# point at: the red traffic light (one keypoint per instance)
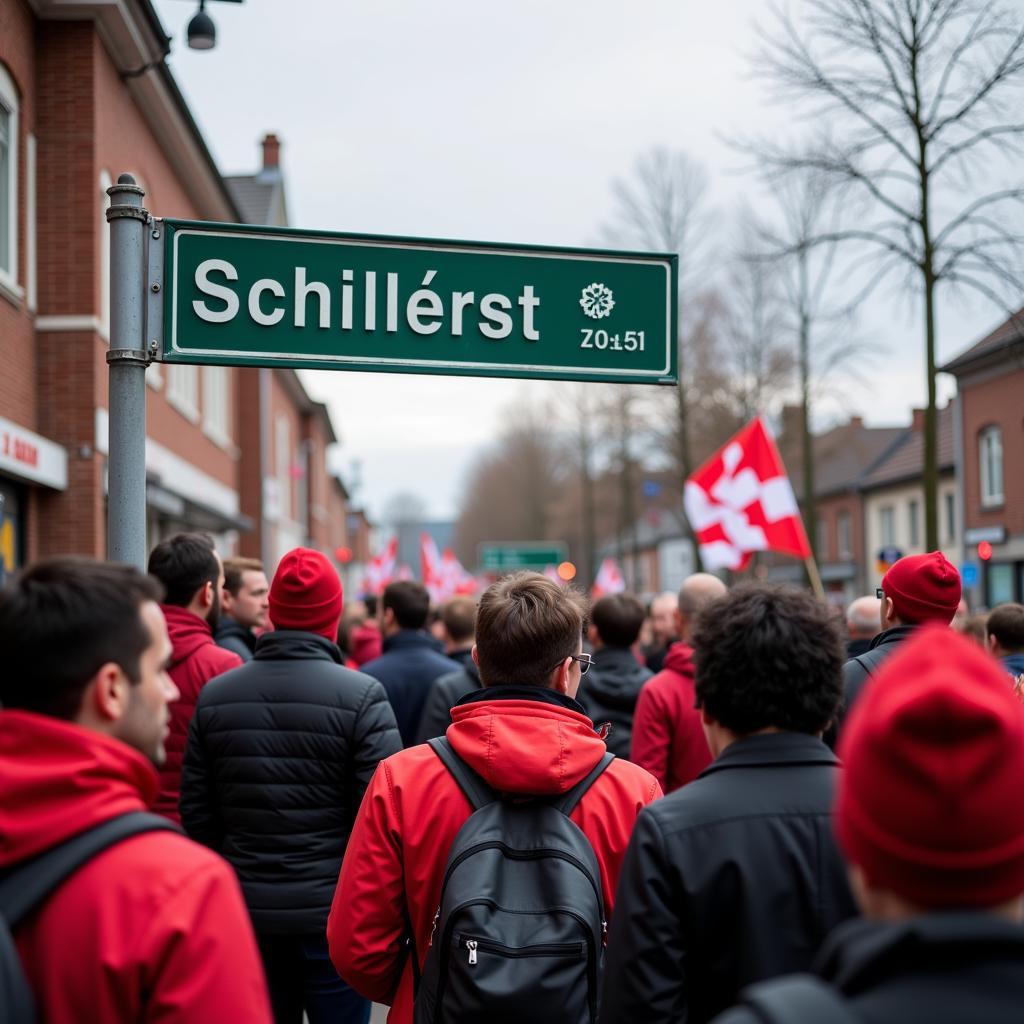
(984, 550)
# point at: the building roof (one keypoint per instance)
(1006, 335)
(905, 462)
(259, 197)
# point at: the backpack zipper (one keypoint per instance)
(539, 949)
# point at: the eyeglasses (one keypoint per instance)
(585, 660)
(880, 593)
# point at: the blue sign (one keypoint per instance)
(651, 488)
(969, 574)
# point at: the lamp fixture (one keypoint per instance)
(202, 33)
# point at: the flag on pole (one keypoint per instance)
(741, 501)
(456, 579)
(380, 570)
(432, 570)
(609, 579)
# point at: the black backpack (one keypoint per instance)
(27, 885)
(519, 933)
(797, 999)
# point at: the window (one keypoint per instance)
(843, 529)
(991, 460)
(8, 182)
(283, 461)
(216, 414)
(914, 520)
(822, 539)
(887, 525)
(183, 390)
(950, 503)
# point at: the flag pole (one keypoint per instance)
(815, 577)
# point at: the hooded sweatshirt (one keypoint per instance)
(151, 929)
(195, 660)
(668, 737)
(520, 740)
(610, 691)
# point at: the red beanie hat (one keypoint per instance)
(306, 594)
(923, 588)
(929, 805)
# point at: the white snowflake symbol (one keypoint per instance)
(597, 301)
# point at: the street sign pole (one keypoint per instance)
(127, 361)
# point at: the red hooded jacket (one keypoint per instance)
(366, 642)
(152, 929)
(413, 809)
(195, 661)
(668, 738)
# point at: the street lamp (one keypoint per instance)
(202, 33)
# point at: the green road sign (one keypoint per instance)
(509, 557)
(280, 297)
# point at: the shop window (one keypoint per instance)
(990, 458)
(8, 181)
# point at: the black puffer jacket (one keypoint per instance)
(279, 754)
(939, 968)
(233, 636)
(732, 879)
(609, 692)
(444, 694)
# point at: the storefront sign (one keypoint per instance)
(27, 456)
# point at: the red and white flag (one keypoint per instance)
(432, 569)
(741, 501)
(457, 580)
(609, 579)
(380, 570)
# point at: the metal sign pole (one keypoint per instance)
(127, 361)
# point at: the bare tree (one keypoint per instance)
(916, 98)
(663, 208)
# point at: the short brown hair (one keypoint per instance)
(525, 625)
(233, 569)
(617, 619)
(459, 617)
(1006, 624)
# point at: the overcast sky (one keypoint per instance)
(503, 122)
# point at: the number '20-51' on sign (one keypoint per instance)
(265, 297)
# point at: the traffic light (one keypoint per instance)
(984, 550)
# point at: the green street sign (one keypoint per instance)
(509, 557)
(249, 296)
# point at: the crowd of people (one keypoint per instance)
(733, 804)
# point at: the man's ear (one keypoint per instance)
(680, 621)
(475, 655)
(106, 696)
(559, 681)
(705, 718)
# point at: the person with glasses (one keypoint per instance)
(527, 737)
(916, 590)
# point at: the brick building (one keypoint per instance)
(84, 96)
(990, 454)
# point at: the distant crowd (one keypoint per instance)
(225, 798)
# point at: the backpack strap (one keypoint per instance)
(25, 887)
(797, 999)
(477, 792)
(569, 800)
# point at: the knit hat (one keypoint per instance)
(929, 804)
(923, 588)
(306, 594)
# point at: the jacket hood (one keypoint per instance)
(228, 627)
(524, 745)
(187, 631)
(366, 643)
(57, 778)
(616, 678)
(680, 659)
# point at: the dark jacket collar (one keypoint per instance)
(227, 626)
(537, 693)
(407, 638)
(614, 658)
(285, 644)
(892, 636)
(861, 952)
(772, 750)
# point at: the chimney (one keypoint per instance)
(917, 423)
(857, 421)
(271, 152)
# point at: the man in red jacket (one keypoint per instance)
(668, 738)
(524, 733)
(190, 570)
(153, 928)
